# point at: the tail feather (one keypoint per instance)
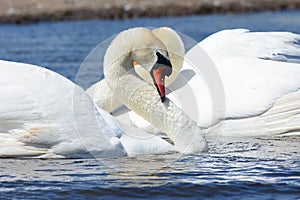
(11, 147)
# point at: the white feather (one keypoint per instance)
(43, 114)
(254, 81)
(257, 75)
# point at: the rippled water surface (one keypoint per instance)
(234, 168)
(262, 168)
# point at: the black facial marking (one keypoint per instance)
(164, 61)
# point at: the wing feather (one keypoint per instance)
(243, 43)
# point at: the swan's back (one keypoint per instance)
(45, 114)
(253, 69)
(261, 83)
(260, 75)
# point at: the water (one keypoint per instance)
(234, 168)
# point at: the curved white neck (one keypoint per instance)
(143, 99)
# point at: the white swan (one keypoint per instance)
(43, 114)
(100, 91)
(141, 97)
(261, 83)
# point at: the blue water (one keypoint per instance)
(234, 168)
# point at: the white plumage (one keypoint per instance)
(259, 80)
(43, 114)
(259, 73)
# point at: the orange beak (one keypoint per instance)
(158, 75)
(135, 63)
(160, 70)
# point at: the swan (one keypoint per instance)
(43, 114)
(140, 96)
(260, 80)
(259, 73)
(100, 91)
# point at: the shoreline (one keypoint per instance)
(30, 11)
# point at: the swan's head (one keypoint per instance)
(174, 45)
(140, 47)
(157, 63)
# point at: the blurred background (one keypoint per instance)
(22, 11)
